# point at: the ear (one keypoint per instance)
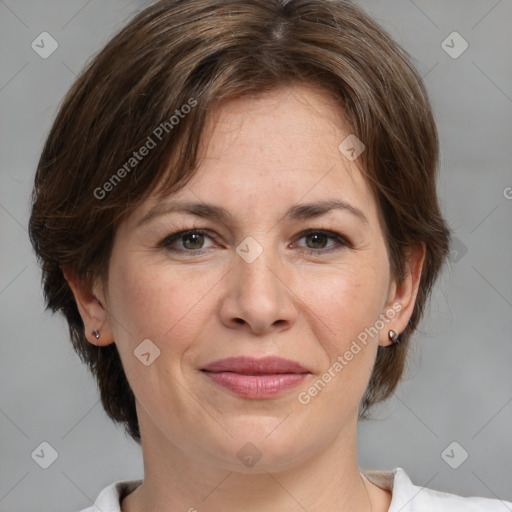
(90, 301)
(402, 296)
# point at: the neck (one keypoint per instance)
(175, 479)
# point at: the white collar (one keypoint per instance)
(406, 497)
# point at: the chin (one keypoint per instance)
(260, 447)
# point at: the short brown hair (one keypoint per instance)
(198, 52)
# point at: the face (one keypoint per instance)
(270, 277)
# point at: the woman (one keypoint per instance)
(236, 212)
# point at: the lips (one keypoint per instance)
(256, 379)
(270, 365)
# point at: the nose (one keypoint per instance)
(258, 298)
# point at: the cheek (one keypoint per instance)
(347, 303)
(135, 296)
(155, 301)
(348, 298)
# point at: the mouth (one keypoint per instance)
(254, 378)
(246, 365)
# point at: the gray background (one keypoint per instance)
(459, 383)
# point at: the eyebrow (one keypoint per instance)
(215, 212)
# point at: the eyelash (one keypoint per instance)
(182, 232)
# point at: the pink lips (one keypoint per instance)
(256, 378)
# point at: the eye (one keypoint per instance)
(193, 241)
(317, 239)
(190, 240)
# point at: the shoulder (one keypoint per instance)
(109, 499)
(408, 497)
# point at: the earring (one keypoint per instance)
(393, 336)
(96, 334)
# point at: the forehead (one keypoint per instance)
(263, 153)
(290, 128)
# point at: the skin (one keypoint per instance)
(261, 155)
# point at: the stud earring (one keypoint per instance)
(393, 336)
(96, 334)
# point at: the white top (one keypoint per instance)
(407, 497)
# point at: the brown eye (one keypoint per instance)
(191, 240)
(196, 240)
(317, 241)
